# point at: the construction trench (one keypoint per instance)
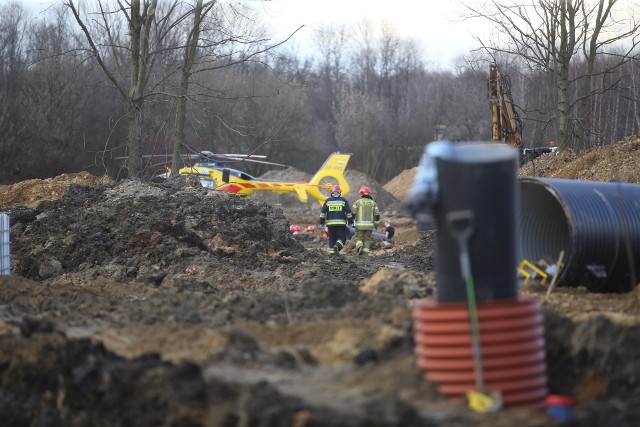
(149, 304)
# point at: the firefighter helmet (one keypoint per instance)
(336, 189)
(364, 191)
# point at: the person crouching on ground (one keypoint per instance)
(389, 232)
(367, 217)
(336, 216)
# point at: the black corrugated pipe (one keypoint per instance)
(597, 224)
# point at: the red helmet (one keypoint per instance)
(310, 229)
(364, 191)
(336, 189)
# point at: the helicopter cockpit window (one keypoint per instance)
(242, 175)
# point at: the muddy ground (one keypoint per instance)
(144, 303)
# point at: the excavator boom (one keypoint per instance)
(506, 124)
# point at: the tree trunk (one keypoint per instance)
(635, 95)
(181, 108)
(134, 159)
(567, 42)
(590, 54)
(563, 109)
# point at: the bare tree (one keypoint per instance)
(222, 36)
(551, 36)
(146, 33)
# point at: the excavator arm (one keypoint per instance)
(506, 124)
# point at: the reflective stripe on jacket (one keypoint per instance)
(336, 211)
(367, 215)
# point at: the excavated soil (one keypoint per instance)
(143, 303)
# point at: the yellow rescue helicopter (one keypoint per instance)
(212, 172)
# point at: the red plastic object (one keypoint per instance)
(487, 350)
(511, 346)
(465, 339)
(559, 400)
(488, 363)
(468, 376)
(430, 310)
(456, 326)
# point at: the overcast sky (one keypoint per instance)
(428, 21)
(435, 23)
(432, 22)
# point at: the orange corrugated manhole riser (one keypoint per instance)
(511, 346)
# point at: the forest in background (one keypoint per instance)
(368, 91)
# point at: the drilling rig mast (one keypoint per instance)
(506, 124)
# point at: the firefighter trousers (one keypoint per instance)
(337, 237)
(363, 240)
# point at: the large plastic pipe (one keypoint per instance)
(480, 178)
(597, 224)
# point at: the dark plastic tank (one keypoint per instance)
(478, 186)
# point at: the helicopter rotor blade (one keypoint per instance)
(233, 158)
(257, 156)
(223, 157)
(257, 161)
(144, 156)
(208, 155)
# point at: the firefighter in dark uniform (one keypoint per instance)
(336, 216)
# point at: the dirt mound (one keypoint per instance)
(31, 192)
(386, 201)
(618, 161)
(134, 230)
(400, 184)
(287, 174)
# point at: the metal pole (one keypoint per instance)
(5, 259)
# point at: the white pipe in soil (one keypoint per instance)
(5, 260)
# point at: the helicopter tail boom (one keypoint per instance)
(331, 172)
